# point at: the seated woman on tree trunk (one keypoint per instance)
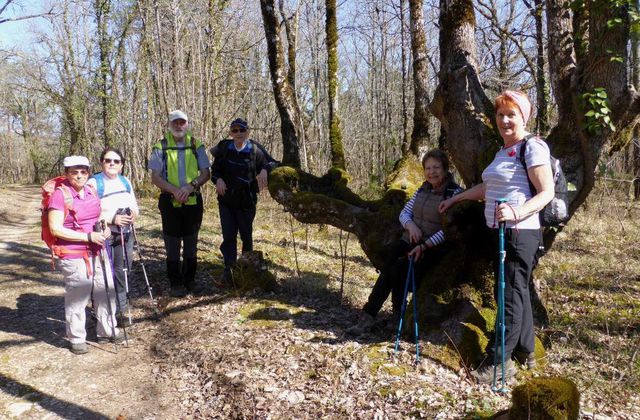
(421, 239)
(506, 177)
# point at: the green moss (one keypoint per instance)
(545, 398)
(380, 362)
(472, 343)
(386, 391)
(407, 175)
(540, 353)
(251, 272)
(337, 149)
(445, 355)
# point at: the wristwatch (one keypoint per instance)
(195, 185)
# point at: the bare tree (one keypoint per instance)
(282, 90)
(335, 134)
(7, 3)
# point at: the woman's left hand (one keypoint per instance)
(107, 233)
(506, 213)
(123, 220)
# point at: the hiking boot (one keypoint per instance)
(194, 288)
(122, 320)
(526, 359)
(118, 339)
(531, 362)
(227, 277)
(178, 291)
(393, 322)
(484, 374)
(79, 348)
(364, 324)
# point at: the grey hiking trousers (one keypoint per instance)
(78, 288)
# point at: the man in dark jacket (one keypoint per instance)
(239, 172)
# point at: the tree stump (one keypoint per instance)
(251, 272)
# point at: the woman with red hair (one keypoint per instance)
(506, 178)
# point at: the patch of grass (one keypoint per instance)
(590, 285)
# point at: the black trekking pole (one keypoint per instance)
(125, 262)
(500, 322)
(100, 227)
(116, 287)
(136, 247)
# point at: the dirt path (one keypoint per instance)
(39, 376)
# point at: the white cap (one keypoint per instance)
(177, 115)
(70, 161)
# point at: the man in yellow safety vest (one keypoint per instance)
(179, 166)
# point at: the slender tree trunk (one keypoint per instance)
(335, 133)
(420, 135)
(404, 148)
(542, 91)
(635, 77)
(103, 9)
(282, 90)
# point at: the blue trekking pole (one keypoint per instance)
(500, 327)
(415, 314)
(410, 279)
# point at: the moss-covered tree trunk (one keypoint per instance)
(457, 294)
(335, 134)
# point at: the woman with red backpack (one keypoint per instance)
(73, 212)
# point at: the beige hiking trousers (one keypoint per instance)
(78, 288)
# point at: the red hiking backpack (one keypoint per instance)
(47, 191)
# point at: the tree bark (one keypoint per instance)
(404, 147)
(542, 91)
(103, 9)
(465, 112)
(335, 133)
(282, 89)
(420, 134)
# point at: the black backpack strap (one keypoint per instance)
(193, 147)
(252, 165)
(523, 161)
(164, 145)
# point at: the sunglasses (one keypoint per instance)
(238, 130)
(79, 172)
(116, 161)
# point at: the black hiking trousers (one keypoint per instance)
(233, 221)
(393, 277)
(521, 247)
(180, 227)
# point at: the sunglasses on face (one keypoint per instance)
(116, 161)
(238, 130)
(79, 172)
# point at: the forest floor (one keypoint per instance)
(285, 354)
